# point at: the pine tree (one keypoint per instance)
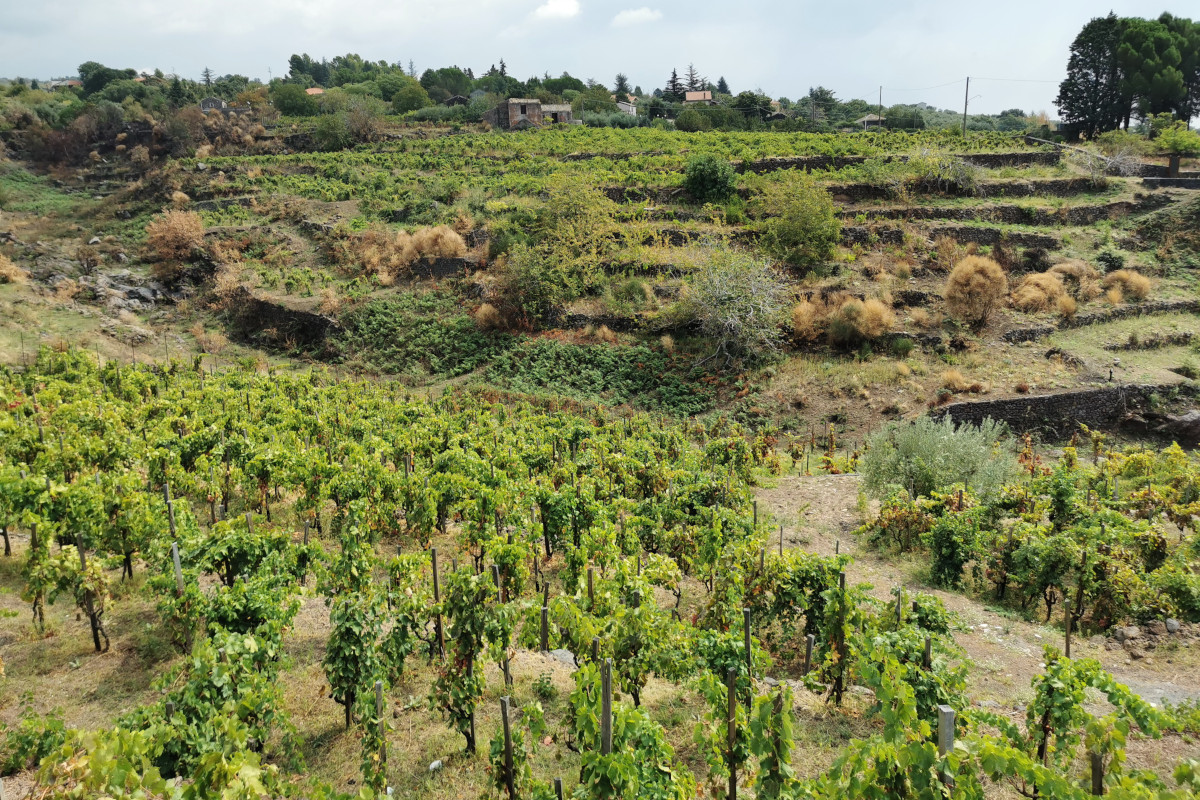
(208, 78)
(503, 69)
(722, 86)
(1091, 98)
(674, 90)
(695, 81)
(621, 87)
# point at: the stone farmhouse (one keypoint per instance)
(517, 113)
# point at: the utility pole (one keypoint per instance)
(880, 114)
(966, 95)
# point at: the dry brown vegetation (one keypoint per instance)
(1039, 292)
(386, 253)
(974, 289)
(844, 320)
(489, 318)
(10, 272)
(174, 236)
(1131, 283)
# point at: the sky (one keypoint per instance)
(1014, 51)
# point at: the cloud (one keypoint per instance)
(636, 16)
(557, 9)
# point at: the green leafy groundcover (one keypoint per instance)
(637, 374)
(410, 334)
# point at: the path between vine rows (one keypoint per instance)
(821, 512)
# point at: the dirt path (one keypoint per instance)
(820, 514)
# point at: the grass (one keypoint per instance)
(22, 191)
(1140, 366)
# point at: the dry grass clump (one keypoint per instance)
(947, 253)
(808, 319)
(1067, 306)
(667, 341)
(330, 301)
(66, 290)
(924, 318)
(974, 288)
(953, 380)
(1080, 279)
(179, 199)
(10, 272)
(1131, 283)
(387, 253)
(1039, 292)
(606, 334)
(857, 321)
(489, 318)
(175, 235)
(209, 342)
(1115, 296)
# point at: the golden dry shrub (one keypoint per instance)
(1080, 279)
(877, 318)
(330, 301)
(10, 272)
(175, 235)
(1066, 306)
(974, 288)
(924, 318)
(1115, 296)
(179, 199)
(439, 242)
(953, 380)
(1039, 292)
(489, 318)
(1131, 283)
(606, 334)
(808, 319)
(667, 342)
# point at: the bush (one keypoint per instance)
(737, 301)
(1039, 292)
(709, 179)
(10, 272)
(1130, 282)
(411, 98)
(973, 290)
(292, 100)
(953, 542)
(332, 132)
(857, 321)
(692, 121)
(799, 223)
(175, 235)
(927, 454)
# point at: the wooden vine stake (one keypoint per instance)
(749, 651)
(178, 569)
(1097, 763)
(557, 789)
(545, 629)
(731, 732)
(437, 597)
(809, 641)
(508, 750)
(945, 729)
(606, 707)
(382, 727)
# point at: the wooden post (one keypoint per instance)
(382, 728)
(899, 606)
(749, 651)
(557, 789)
(591, 578)
(945, 729)
(731, 731)
(471, 674)
(496, 581)
(437, 618)
(927, 659)
(1097, 760)
(508, 750)
(545, 629)
(606, 707)
(837, 545)
(178, 569)
(304, 571)
(595, 649)
(808, 650)
(170, 709)
(780, 540)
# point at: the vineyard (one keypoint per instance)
(566, 600)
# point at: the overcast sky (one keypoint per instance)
(913, 49)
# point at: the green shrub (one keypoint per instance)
(709, 179)
(927, 454)
(692, 121)
(332, 132)
(33, 738)
(798, 222)
(953, 542)
(291, 100)
(410, 98)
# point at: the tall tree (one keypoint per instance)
(1150, 60)
(674, 90)
(1091, 98)
(1187, 35)
(694, 80)
(722, 86)
(207, 76)
(621, 87)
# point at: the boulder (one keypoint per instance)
(1172, 626)
(1127, 633)
(1184, 428)
(1156, 628)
